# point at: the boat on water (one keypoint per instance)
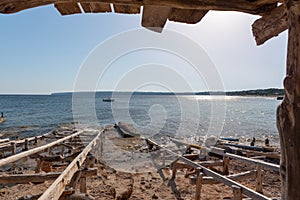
(280, 98)
(108, 100)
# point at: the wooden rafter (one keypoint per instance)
(252, 7)
(155, 18)
(270, 25)
(58, 186)
(190, 16)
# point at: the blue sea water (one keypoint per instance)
(176, 115)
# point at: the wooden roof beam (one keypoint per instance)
(126, 9)
(68, 8)
(189, 16)
(270, 25)
(155, 17)
(252, 7)
(96, 7)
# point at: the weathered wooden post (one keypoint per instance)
(288, 112)
(226, 161)
(258, 185)
(198, 184)
(237, 192)
(13, 148)
(26, 144)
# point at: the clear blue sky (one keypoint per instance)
(41, 51)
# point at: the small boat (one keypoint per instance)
(230, 139)
(126, 130)
(280, 98)
(108, 100)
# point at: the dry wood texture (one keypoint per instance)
(252, 7)
(155, 17)
(190, 16)
(288, 113)
(35, 150)
(270, 25)
(68, 8)
(126, 9)
(58, 186)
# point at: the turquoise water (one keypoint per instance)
(182, 116)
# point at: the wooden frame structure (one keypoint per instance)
(74, 172)
(276, 16)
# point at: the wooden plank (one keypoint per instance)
(235, 177)
(253, 161)
(270, 25)
(68, 8)
(96, 7)
(155, 17)
(36, 178)
(21, 142)
(58, 186)
(86, 7)
(126, 9)
(16, 157)
(189, 16)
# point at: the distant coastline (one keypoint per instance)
(270, 92)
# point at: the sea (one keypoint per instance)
(184, 116)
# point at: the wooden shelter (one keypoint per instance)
(276, 16)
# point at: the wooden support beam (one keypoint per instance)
(226, 162)
(198, 184)
(270, 25)
(288, 112)
(37, 178)
(237, 193)
(58, 186)
(258, 185)
(155, 17)
(13, 148)
(82, 186)
(253, 161)
(16, 157)
(235, 177)
(126, 9)
(68, 8)
(247, 191)
(189, 16)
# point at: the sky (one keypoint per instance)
(43, 52)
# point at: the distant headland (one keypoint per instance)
(270, 92)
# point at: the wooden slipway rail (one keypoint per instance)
(58, 186)
(16, 157)
(222, 179)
